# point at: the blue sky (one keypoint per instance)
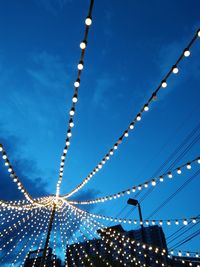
(131, 47)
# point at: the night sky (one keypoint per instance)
(131, 46)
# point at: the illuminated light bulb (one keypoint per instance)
(133, 189)
(179, 171)
(161, 179)
(186, 52)
(126, 134)
(88, 21)
(71, 123)
(67, 142)
(138, 117)
(111, 152)
(75, 98)
(164, 84)
(170, 175)
(131, 126)
(198, 160)
(1, 148)
(168, 222)
(10, 169)
(15, 180)
(6, 163)
(72, 111)
(153, 183)
(161, 222)
(175, 69)
(194, 220)
(139, 187)
(177, 222)
(198, 33)
(83, 45)
(179, 253)
(69, 134)
(146, 185)
(188, 166)
(65, 150)
(4, 156)
(77, 84)
(185, 222)
(146, 107)
(115, 146)
(80, 65)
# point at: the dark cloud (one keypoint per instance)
(25, 169)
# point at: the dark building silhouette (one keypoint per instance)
(122, 253)
(38, 256)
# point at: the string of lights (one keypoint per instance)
(163, 84)
(15, 242)
(80, 66)
(152, 182)
(90, 225)
(110, 231)
(40, 225)
(41, 242)
(36, 238)
(75, 240)
(23, 220)
(64, 238)
(13, 175)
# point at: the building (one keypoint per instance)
(177, 261)
(37, 257)
(121, 252)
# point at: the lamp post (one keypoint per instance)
(134, 202)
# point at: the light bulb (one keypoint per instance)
(88, 21)
(80, 65)
(198, 33)
(186, 52)
(4, 156)
(161, 179)
(153, 183)
(72, 111)
(198, 160)
(164, 84)
(83, 45)
(75, 98)
(170, 175)
(1, 148)
(189, 166)
(69, 134)
(131, 126)
(175, 69)
(126, 134)
(77, 83)
(138, 117)
(146, 107)
(71, 124)
(179, 171)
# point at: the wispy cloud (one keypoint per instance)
(52, 6)
(103, 88)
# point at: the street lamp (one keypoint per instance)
(134, 202)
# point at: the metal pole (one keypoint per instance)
(43, 260)
(141, 220)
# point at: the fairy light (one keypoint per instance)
(186, 52)
(175, 69)
(145, 184)
(41, 230)
(83, 44)
(163, 84)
